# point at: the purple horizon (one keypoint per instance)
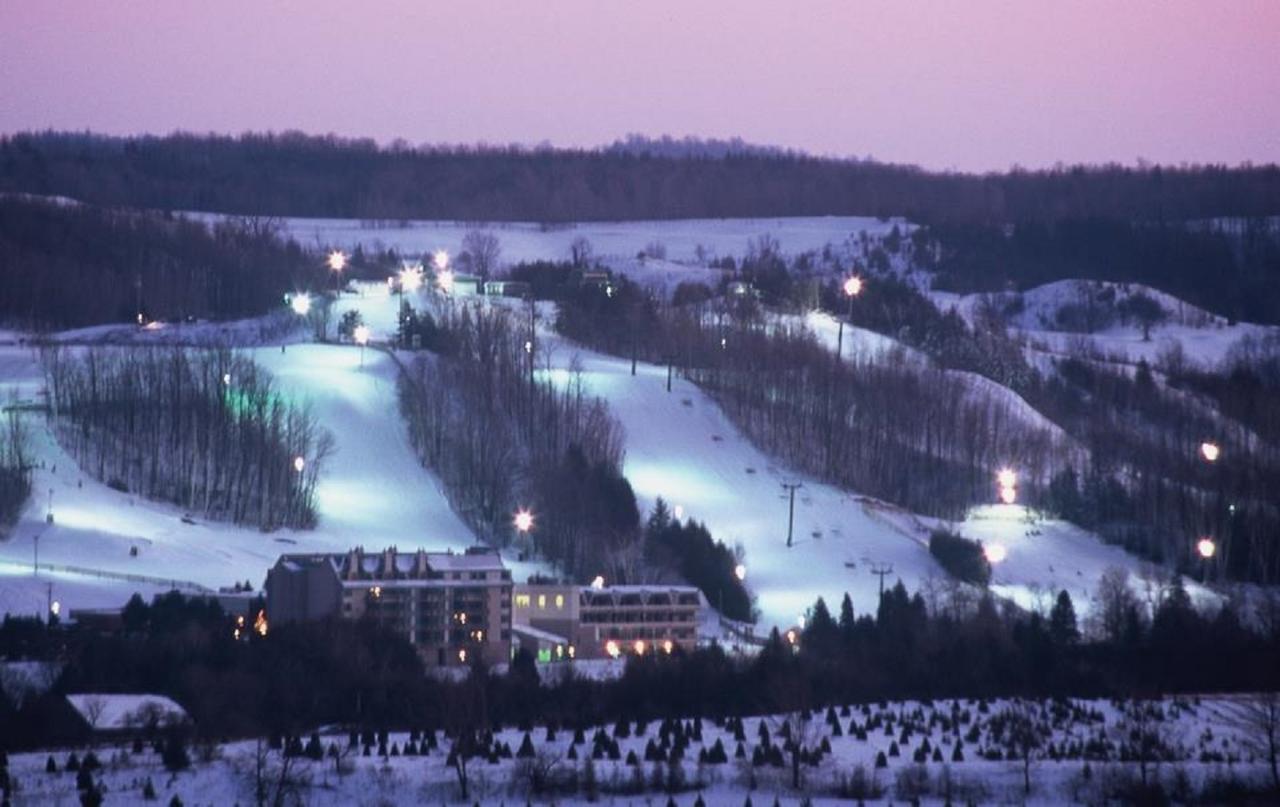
(981, 87)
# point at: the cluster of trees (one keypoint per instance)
(1232, 271)
(503, 439)
(204, 429)
(15, 468)
(690, 550)
(841, 421)
(294, 174)
(917, 646)
(961, 557)
(68, 265)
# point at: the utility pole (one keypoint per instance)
(880, 570)
(671, 359)
(791, 513)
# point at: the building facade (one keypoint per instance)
(607, 621)
(451, 607)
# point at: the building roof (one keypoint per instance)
(537, 633)
(108, 712)
(391, 564)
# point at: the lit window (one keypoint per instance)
(462, 655)
(572, 651)
(522, 600)
(559, 600)
(542, 600)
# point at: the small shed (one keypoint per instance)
(115, 716)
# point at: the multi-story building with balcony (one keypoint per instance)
(570, 621)
(451, 607)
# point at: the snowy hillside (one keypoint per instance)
(373, 493)
(1048, 314)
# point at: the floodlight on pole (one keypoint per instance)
(300, 303)
(440, 260)
(1206, 548)
(299, 463)
(411, 278)
(361, 335)
(337, 260)
(523, 521)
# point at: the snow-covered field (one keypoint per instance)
(526, 241)
(966, 753)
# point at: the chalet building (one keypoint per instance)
(605, 621)
(452, 607)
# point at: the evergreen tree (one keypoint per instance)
(1062, 620)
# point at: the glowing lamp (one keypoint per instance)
(337, 260)
(853, 286)
(1207, 548)
(361, 335)
(299, 463)
(611, 647)
(995, 553)
(740, 572)
(300, 303)
(1008, 495)
(1210, 451)
(523, 520)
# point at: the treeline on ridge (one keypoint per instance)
(295, 174)
(69, 265)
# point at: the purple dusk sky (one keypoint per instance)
(967, 85)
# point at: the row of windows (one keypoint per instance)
(525, 601)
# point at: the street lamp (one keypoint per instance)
(994, 553)
(440, 260)
(1007, 479)
(852, 288)
(740, 572)
(300, 303)
(299, 463)
(1210, 451)
(361, 335)
(411, 278)
(1207, 548)
(523, 521)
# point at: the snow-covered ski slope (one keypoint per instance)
(373, 493)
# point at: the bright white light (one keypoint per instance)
(55, 608)
(995, 553)
(445, 279)
(1008, 495)
(337, 260)
(740, 572)
(528, 346)
(226, 379)
(639, 647)
(678, 511)
(800, 622)
(523, 520)
(1007, 478)
(361, 334)
(301, 303)
(411, 278)
(611, 647)
(791, 636)
(853, 286)
(440, 260)
(1206, 547)
(598, 583)
(668, 646)
(299, 463)
(1210, 451)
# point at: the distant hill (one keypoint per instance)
(301, 175)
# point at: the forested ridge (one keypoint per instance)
(68, 265)
(299, 175)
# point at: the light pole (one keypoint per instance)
(852, 288)
(791, 487)
(337, 261)
(361, 335)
